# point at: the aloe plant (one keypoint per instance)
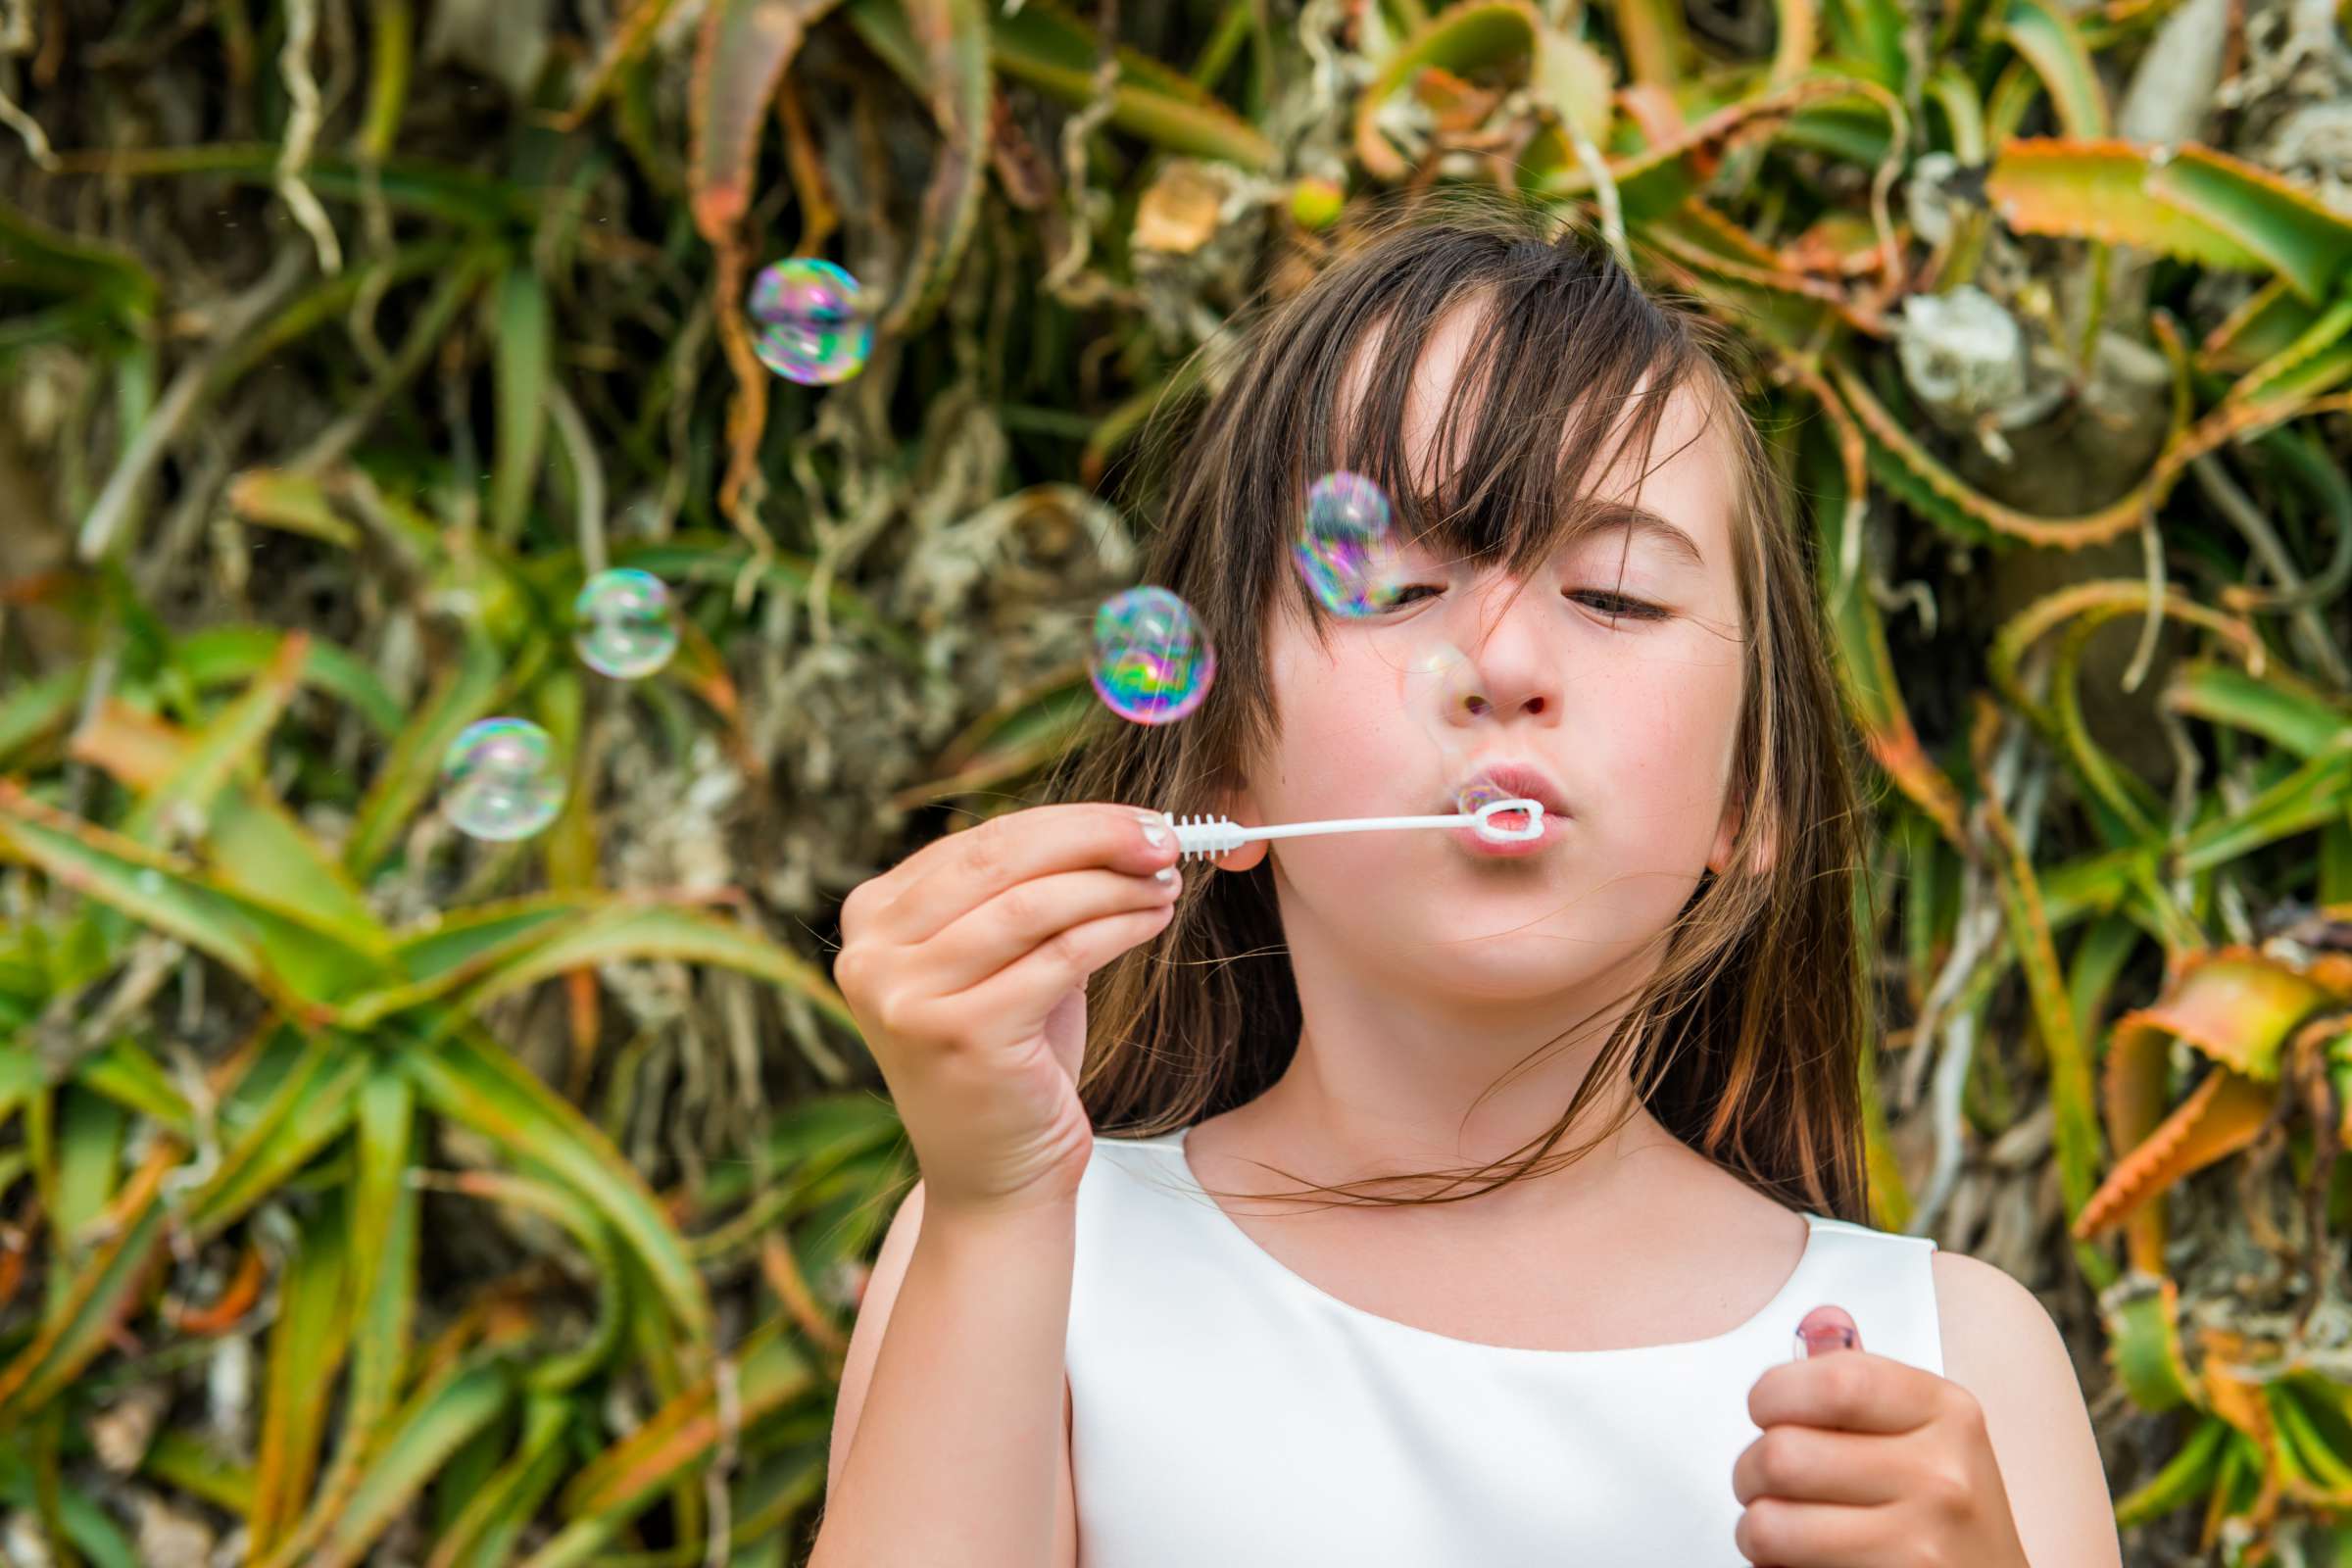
(335, 369)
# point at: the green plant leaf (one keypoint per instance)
(1470, 36)
(2046, 36)
(448, 1409)
(300, 968)
(413, 768)
(1045, 46)
(222, 655)
(306, 1110)
(768, 1370)
(478, 1085)
(522, 333)
(485, 1531)
(2290, 228)
(306, 1351)
(100, 1294)
(633, 928)
(2101, 190)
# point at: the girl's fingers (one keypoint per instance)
(1029, 988)
(965, 870)
(1029, 915)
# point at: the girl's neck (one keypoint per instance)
(1301, 1126)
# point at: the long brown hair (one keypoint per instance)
(1745, 1041)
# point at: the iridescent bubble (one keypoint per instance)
(1345, 549)
(622, 624)
(1153, 662)
(499, 780)
(812, 328)
(1485, 792)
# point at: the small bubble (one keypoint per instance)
(622, 623)
(1153, 662)
(499, 780)
(1345, 549)
(812, 328)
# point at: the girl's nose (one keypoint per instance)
(1512, 667)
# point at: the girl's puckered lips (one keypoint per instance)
(1503, 780)
(1506, 780)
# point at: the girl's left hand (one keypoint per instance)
(1867, 1462)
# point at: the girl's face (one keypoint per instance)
(1615, 673)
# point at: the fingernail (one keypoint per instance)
(1166, 874)
(1153, 834)
(1829, 1337)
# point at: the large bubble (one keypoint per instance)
(622, 624)
(813, 327)
(1344, 548)
(499, 780)
(1153, 662)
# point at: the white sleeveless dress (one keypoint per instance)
(1226, 1413)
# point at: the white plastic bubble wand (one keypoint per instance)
(1202, 838)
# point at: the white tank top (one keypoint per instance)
(1225, 1411)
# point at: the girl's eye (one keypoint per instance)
(1620, 604)
(1614, 605)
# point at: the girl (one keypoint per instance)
(1092, 1335)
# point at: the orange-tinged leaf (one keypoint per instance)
(954, 39)
(306, 1351)
(99, 1298)
(2098, 189)
(2237, 1006)
(2219, 1117)
(746, 46)
(768, 1368)
(236, 1298)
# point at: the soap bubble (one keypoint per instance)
(1153, 662)
(1482, 791)
(1345, 549)
(621, 624)
(811, 327)
(499, 780)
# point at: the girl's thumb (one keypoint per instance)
(1825, 1329)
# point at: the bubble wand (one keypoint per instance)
(1204, 838)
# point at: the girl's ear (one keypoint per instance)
(1238, 805)
(1720, 858)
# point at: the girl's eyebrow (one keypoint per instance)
(1649, 523)
(1624, 515)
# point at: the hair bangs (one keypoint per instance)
(1560, 387)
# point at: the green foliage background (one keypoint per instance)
(367, 1192)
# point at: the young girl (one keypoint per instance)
(1451, 1335)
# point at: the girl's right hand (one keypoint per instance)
(965, 966)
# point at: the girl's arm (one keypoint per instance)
(2000, 1343)
(951, 1440)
